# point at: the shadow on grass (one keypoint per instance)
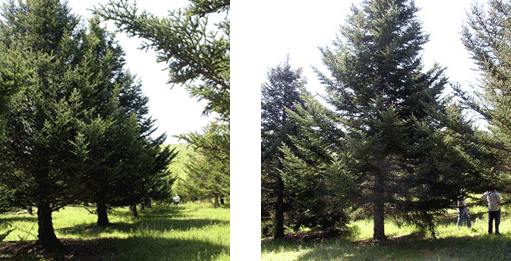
(408, 247)
(17, 218)
(116, 249)
(145, 225)
(149, 220)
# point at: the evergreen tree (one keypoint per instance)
(317, 194)
(280, 94)
(46, 141)
(382, 141)
(125, 152)
(197, 58)
(487, 37)
(208, 168)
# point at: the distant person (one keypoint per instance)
(493, 198)
(176, 200)
(462, 210)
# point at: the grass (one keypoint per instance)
(185, 232)
(405, 242)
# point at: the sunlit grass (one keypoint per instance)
(186, 232)
(405, 242)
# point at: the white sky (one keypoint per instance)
(175, 112)
(299, 28)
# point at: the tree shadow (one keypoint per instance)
(117, 249)
(149, 220)
(143, 225)
(412, 246)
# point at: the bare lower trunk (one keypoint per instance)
(279, 209)
(379, 208)
(46, 234)
(133, 210)
(147, 203)
(102, 214)
(216, 204)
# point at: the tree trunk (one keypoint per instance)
(30, 210)
(46, 234)
(279, 209)
(148, 203)
(222, 201)
(102, 213)
(133, 210)
(216, 204)
(379, 208)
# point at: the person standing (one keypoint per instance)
(176, 200)
(493, 198)
(462, 211)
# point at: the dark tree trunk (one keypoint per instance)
(222, 201)
(279, 209)
(102, 213)
(379, 208)
(30, 210)
(46, 234)
(142, 206)
(216, 204)
(148, 203)
(133, 210)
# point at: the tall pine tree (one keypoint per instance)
(280, 94)
(380, 146)
(488, 39)
(46, 138)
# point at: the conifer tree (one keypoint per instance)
(46, 141)
(208, 167)
(197, 58)
(487, 37)
(280, 94)
(380, 147)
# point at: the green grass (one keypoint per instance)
(186, 232)
(405, 242)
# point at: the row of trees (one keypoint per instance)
(74, 121)
(198, 58)
(387, 143)
(76, 125)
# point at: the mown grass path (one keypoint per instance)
(186, 232)
(405, 242)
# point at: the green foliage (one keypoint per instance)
(199, 59)
(78, 130)
(177, 171)
(389, 146)
(486, 35)
(196, 57)
(207, 171)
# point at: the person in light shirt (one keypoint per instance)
(493, 198)
(462, 211)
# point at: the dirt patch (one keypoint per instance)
(73, 249)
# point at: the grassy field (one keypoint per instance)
(405, 242)
(186, 232)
